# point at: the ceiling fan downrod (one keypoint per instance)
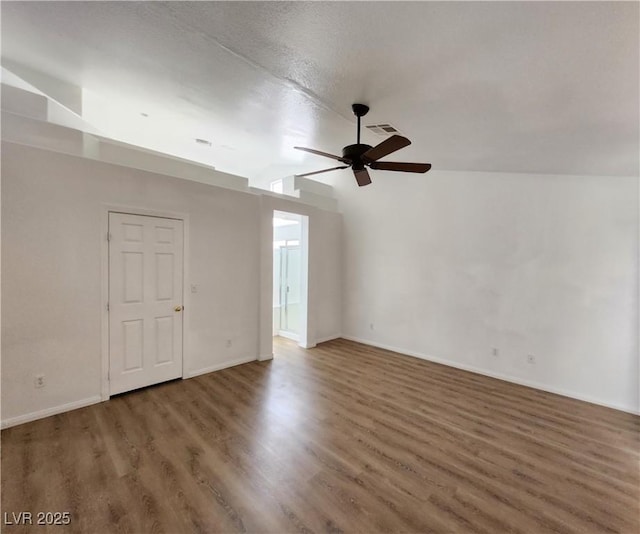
(359, 110)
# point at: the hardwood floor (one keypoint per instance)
(340, 438)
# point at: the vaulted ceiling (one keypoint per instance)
(540, 87)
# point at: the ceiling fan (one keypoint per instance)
(361, 156)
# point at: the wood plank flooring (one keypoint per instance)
(340, 438)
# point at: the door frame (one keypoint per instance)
(105, 209)
(304, 337)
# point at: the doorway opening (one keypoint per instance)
(290, 266)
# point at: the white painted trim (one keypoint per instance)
(107, 208)
(104, 300)
(55, 410)
(329, 338)
(307, 331)
(265, 287)
(499, 376)
(265, 357)
(220, 366)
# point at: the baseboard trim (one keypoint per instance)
(499, 376)
(329, 338)
(265, 357)
(220, 366)
(288, 335)
(55, 410)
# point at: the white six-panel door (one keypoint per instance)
(145, 300)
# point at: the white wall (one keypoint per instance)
(445, 266)
(448, 265)
(52, 242)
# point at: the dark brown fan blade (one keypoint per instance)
(362, 177)
(325, 154)
(397, 166)
(395, 142)
(325, 170)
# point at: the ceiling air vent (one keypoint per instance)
(383, 129)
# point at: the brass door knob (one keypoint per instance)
(178, 308)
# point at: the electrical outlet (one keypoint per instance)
(495, 352)
(194, 288)
(370, 326)
(38, 382)
(228, 343)
(531, 359)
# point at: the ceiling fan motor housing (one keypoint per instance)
(354, 154)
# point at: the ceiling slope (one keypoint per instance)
(538, 87)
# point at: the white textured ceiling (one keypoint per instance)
(542, 87)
